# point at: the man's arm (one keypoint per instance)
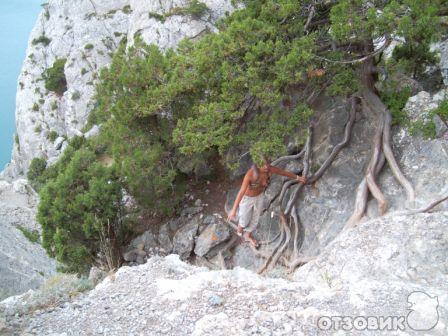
(286, 173)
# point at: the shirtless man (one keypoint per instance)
(249, 200)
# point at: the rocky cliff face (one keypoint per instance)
(86, 33)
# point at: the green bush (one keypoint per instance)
(195, 9)
(76, 95)
(83, 71)
(442, 110)
(32, 235)
(38, 128)
(55, 77)
(35, 172)
(79, 209)
(52, 136)
(41, 39)
(35, 107)
(396, 100)
(157, 16)
(425, 126)
(88, 46)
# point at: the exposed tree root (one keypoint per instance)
(273, 251)
(391, 159)
(426, 208)
(430, 206)
(381, 151)
(370, 172)
(270, 241)
(288, 158)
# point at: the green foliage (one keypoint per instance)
(54, 105)
(41, 39)
(55, 77)
(76, 95)
(35, 107)
(52, 136)
(32, 235)
(425, 125)
(344, 83)
(413, 58)
(417, 23)
(442, 110)
(38, 128)
(195, 9)
(147, 161)
(127, 9)
(88, 46)
(35, 171)
(16, 139)
(426, 128)
(83, 71)
(395, 101)
(157, 16)
(77, 208)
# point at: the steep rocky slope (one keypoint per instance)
(23, 264)
(373, 270)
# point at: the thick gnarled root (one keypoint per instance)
(381, 152)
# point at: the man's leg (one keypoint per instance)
(245, 211)
(257, 209)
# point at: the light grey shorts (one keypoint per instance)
(249, 211)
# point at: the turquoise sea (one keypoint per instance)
(17, 18)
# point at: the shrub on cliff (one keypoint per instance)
(55, 77)
(35, 171)
(41, 39)
(80, 213)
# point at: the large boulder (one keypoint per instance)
(215, 233)
(183, 240)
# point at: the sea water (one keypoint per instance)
(17, 18)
